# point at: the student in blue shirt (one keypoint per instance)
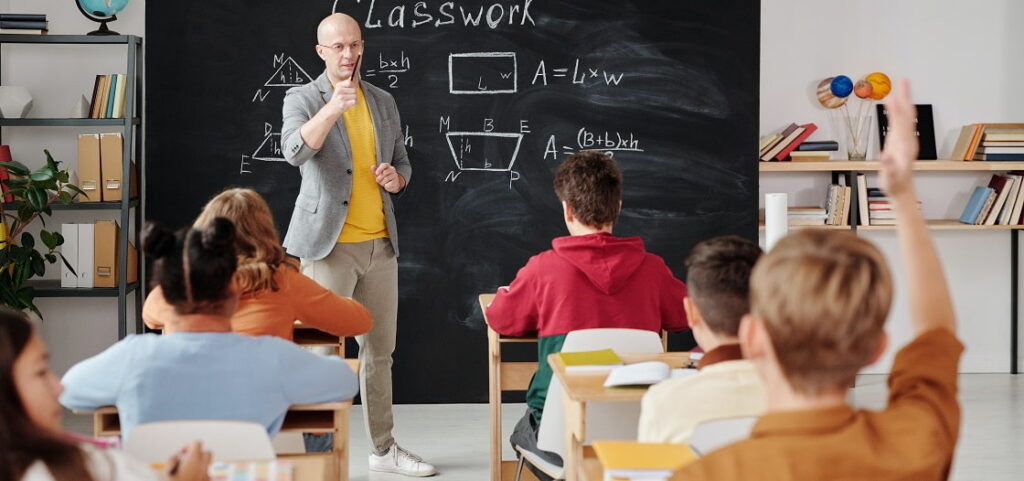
(203, 370)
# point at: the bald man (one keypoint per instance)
(345, 137)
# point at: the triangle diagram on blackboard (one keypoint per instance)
(289, 74)
(270, 149)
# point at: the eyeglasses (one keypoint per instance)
(356, 46)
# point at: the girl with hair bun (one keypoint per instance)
(273, 293)
(200, 369)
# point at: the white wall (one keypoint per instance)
(57, 75)
(964, 58)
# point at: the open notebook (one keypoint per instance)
(644, 374)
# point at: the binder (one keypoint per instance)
(105, 255)
(86, 239)
(89, 167)
(112, 162)
(69, 249)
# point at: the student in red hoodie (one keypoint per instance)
(588, 279)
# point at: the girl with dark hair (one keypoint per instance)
(32, 444)
(202, 370)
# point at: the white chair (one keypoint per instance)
(227, 440)
(616, 421)
(711, 435)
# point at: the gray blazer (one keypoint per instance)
(322, 204)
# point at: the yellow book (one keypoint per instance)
(589, 360)
(628, 459)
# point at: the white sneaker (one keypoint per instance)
(400, 461)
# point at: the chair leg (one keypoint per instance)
(519, 468)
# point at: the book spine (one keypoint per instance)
(5, 156)
(26, 17)
(109, 112)
(808, 130)
(23, 24)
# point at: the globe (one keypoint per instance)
(103, 8)
(101, 11)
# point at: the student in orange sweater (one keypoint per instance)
(274, 293)
(819, 301)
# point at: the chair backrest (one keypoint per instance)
(711, 435)
(227, 440)
(616, 421)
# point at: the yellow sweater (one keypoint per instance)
(365, 220)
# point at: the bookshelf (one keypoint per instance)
(841, 167)
(129, 208)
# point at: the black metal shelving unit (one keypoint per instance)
(131, 127)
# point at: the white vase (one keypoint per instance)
(15, 102)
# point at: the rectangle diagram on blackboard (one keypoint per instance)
(483, 73)
(490, 151)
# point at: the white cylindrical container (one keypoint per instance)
(776, 224)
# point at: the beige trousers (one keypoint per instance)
(368, 272)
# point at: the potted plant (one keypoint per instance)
(33, 192)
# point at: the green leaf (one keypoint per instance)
(63, 176)
(12, 182)
(68, 264)
(51, 258)
(37, 199)
(50, 163)
(38, 266)
(15, 168)
(76, 189)
(49, 240)
(24, 212)
(28, 241)
(26, 296)
(65, 197)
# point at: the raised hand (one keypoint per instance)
(901, 144)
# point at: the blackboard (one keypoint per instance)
(493, 95)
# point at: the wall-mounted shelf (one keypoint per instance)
(838, 168)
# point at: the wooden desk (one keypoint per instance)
(581, 388)
(306, 335)
(302, 418)
(507, 376)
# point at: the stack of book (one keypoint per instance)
(880, 208)
(999, 203)
(816, 151)
(806, 216)
(108, 94)
(1000, 142)
(837, 205)
(23, 24)
(779, 146)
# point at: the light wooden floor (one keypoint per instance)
(454, 436)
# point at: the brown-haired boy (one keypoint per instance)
(819, 301)
(718, 282)
(588, 279)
